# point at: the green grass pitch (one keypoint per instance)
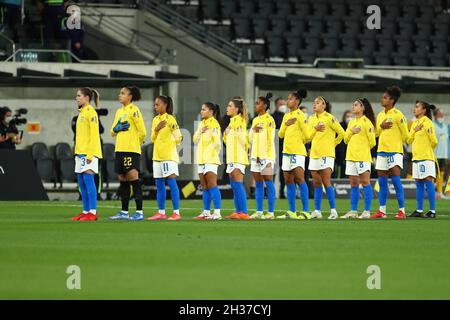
(225, 259)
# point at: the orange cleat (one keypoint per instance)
(78, 217)
(174, 217)
(89, 217)
(378, 215)
(158, 216)
(243, 216)
(400, 215)
(234, 215)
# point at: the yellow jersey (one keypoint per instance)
(87, 138)
(360, 144)
(296, 135)
(423, 141)
(391, 140)
(209, 142)
(132, 139)
(324, 143)
(263, 141)
(166, 140)
(236, 141)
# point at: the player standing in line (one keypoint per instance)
(166, 136)
(423, 138)
(326, 133)
(87, 152)
(294, 131)
(236, 142)
(392, 130)
(129, 129)
(262, 157)
(208, 141)
(360, 138)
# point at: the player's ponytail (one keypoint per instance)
(266, 100)
(96, 97)
(300, 94)
(429, 108)
(367, 110)
(91, 93)
(135, 93)
(215, 108)
(168, 102)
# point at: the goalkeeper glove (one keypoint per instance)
(121, 126)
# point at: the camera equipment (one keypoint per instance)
(17, 118)
(102, 111)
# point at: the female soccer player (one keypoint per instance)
(326, 133)
(360, 138)
(392, 131)
(423, 138)
(129, 129)
(166, 136)
(87, 152)
(207, 139)
(236, 142)
(295, 133)
(262, 141)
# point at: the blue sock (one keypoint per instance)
(398, 191)
(83, 190)
(237, 203)
(259, 195)
(431, 194)
(161, 193)
(368, 195)
(174, 192)
(318, 192)
(271, 195)
(91, 190)
(291, 191)
(216, 196)
(206, 199)
(354, 198)
(304, 194)
(420, 194)
(382, 195)
(242, 197)
(330, 196)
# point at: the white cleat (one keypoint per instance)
(316, 215)
(257, 216)
(350, 215)
(215, 216)
(333, 216)
(365, 215)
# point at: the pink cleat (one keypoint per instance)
(158, 216)
(174, 217)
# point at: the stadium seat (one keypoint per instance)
(283, 8)
(275, 47)
(44, 164)
(65, 163)
(209, 9)
(260, 26)
(301, 8)
(246, 7)
(227, 9)
(278, 25)
(293, 44)
(241, 28)
(265, 8)
(297, 26)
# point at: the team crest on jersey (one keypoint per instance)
(94, 119)
(82, 119)
(135, 114)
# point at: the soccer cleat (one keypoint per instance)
(78, 217)
(120, 216)
(400, 215)
(378, 215)
(333, 216)
(243, 216)
(256, 216)
(202, 216)
(234, 215)
(316, 215)
(416, 214)
(174, 217)
(137, 216)
(350, 215)
(304, 215)
(214, 217)
(89, 217)
(430, 214)
(158, 216)
(365, 215)
(268, 216)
